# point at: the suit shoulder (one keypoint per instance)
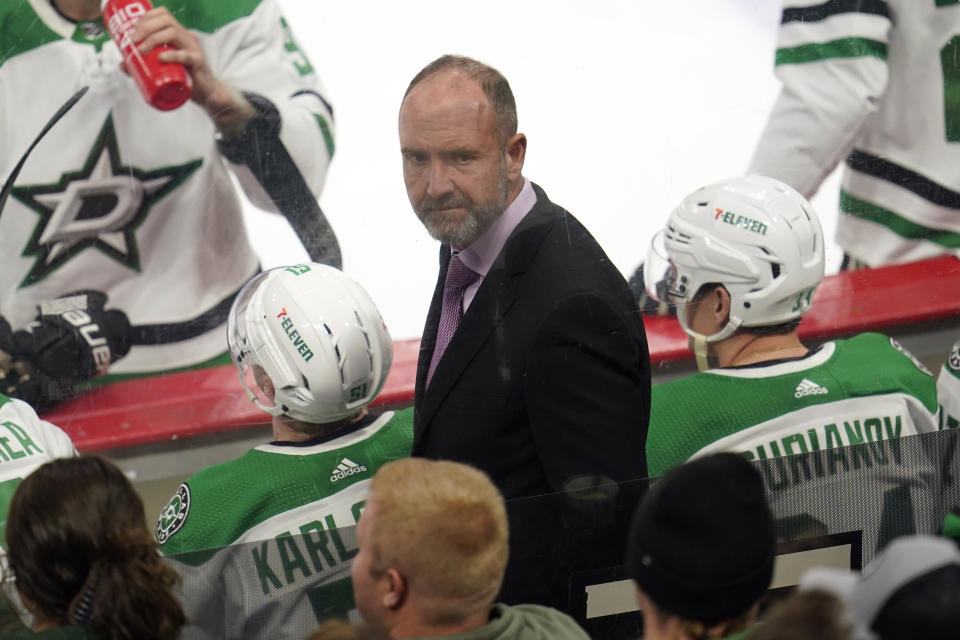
(572, 260)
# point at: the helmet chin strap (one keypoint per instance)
(700, 341)
(700, 351)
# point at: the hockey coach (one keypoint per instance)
(533, 363)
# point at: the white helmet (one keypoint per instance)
(756, 236)
(319, 338)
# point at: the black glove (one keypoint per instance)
(19, 379)
(74, 338)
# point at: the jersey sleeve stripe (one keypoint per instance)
(903, 177)
(858, 208)
(819, 12)
(838, 27)
(843, 48)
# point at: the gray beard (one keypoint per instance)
(477, 220)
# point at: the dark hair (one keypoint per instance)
(81, 553)
(493, 83)
(773, 329)
(805, 615)
(779, 329)
(927, 607)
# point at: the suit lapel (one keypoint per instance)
(493, 300)
(429, 338)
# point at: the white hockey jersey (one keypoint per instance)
(875, 83)
(136, 202)
(26, 442)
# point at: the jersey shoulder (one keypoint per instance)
(217, 505)
(22, 30)
(209, 15)
(872, 364)
(951, 367)
(31, 433)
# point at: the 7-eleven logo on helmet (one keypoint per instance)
(283, 312)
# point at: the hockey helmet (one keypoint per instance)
(756, 236)
(309, 343)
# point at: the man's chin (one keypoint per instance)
(455, 230)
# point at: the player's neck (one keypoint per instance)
(287, 430)
(78, 9)
(744, 348)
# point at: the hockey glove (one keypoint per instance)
(74, 338)
(19, 379)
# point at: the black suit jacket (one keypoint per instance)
(547, 376)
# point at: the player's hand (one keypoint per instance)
(74, 338)
(158, 27)
(227, 106)
(19, 378)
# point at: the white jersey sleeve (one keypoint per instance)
(831, 59)
(948, 390)
(259, 54)
(27, 441)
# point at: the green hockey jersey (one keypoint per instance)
(948, 390)
(848, 406)
(264, 542)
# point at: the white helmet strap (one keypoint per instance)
(700, 341)
(700, 351)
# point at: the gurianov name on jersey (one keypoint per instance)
(844, 446)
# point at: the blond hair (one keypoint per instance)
(443, 525)
(339, 629)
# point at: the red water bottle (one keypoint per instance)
(164, 85)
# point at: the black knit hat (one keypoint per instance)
(702, 541)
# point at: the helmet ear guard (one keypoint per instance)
(756, 236)
(316, 335)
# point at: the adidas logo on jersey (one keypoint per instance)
(809, 388)
(346, 468)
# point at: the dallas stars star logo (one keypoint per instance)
(99, 206)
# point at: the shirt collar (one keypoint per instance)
(483, 251)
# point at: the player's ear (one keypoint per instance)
(264, 382)
(720, 306)
(516, 152)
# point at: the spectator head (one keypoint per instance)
(805, 615)
(432, 548)
(462, 156)
(311, 347)
(743, 254)
(911, 590)
(81, 553)
(702, 545)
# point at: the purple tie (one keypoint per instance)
(459, 277)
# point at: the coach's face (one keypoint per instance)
(457, 170)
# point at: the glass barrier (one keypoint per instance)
(834, 507)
